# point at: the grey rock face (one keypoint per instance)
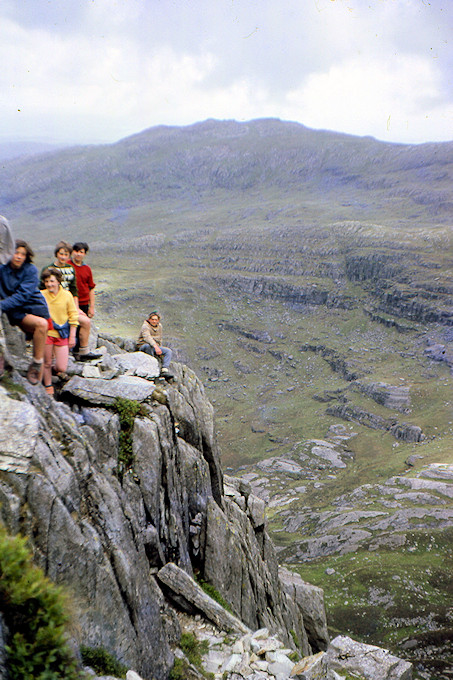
(182, 587)
(18, 434)
(401, 431)
(102, 392)
(138, 363)
(366, 661)
(391, 396)
(311, 601)
(104, 536)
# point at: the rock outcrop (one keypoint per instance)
(106, 535)
(129, 518)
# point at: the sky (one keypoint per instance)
(94, 71)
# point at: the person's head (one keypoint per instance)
(52, 278)
(62, 251)
(154, 318)
(79, 250)
(23, 253)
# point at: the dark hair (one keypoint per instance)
(51, 271)
(62, 244)
(81, 245)
(154, 314)
(20, 243)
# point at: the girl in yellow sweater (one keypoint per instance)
(64, 315)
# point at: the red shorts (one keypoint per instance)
(59, 342)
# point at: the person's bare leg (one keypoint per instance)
(84, 353)
(37, 327)
(61, 356)
(47, 372)
(84, 330)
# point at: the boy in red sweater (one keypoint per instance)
(84, 276)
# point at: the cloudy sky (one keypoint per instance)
(88, 71)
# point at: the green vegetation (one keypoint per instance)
(102, 662)
(36, 613)
(384, 597)
(295, 638)
(179, 670)
(209, 589)
(14, 389)
(127, 410)
(194, 651)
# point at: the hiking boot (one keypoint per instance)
(34, 372)
(87, 357)
(166, 373)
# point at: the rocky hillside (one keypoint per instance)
(197, 171)
(306, 278)
(118, 487)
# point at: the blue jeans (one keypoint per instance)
(165, 356)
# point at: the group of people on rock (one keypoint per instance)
(55, 309)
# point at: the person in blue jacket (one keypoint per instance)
(23, 303)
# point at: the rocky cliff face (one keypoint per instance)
(105, 529)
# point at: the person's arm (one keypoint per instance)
(73, 317)
(73, 286)
(23, 292)
(91, 304)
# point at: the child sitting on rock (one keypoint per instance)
(24, 305)
(150, 341)
(64, 316)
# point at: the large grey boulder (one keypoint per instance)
(138, 363)
(310, 599)
(191, 596)
(19, 432)
(366, 661)
(104, 392)
(240, 561)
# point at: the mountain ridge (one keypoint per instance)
(213, 159)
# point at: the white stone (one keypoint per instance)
(232, 663)
(238, 647)
(311, 667)
(213, 661)
(138, 363)
(270, 645)
(132, 675)
(281, 665)
(90, 371)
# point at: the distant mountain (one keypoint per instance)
(17, 149)
(217, 160)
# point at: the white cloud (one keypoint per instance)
(100, 70)
(394, 99)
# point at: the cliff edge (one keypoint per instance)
(118, 486)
